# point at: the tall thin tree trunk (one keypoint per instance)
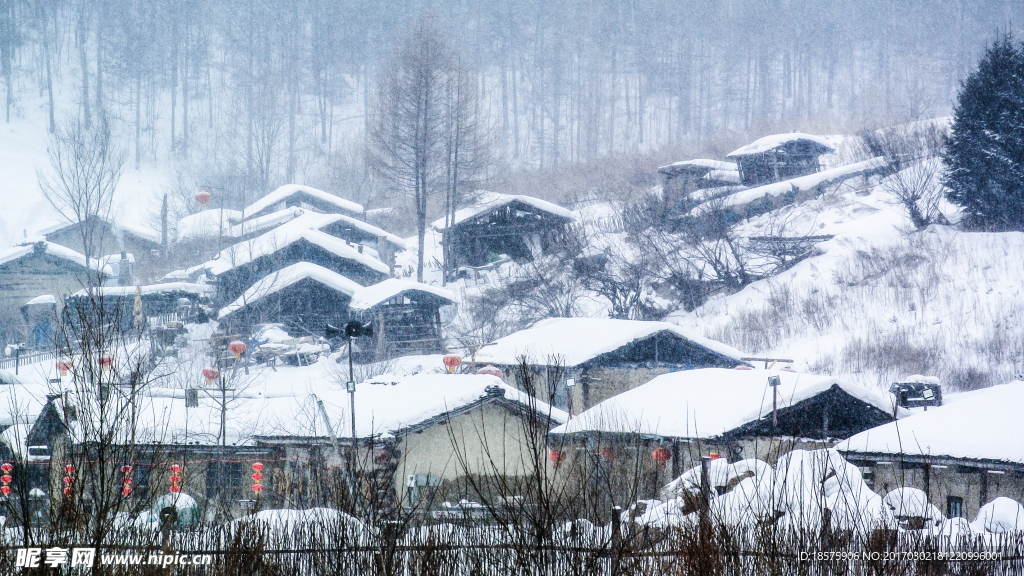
(83, 33)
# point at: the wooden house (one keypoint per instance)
(38, 268)
(681, 179)
(405, 315)
(113, 236)
(521, 227)
(962, 454)
(779, 157)
(240, 266)
(303, 296)
(735, 413)
(117, 303)
(586, 360)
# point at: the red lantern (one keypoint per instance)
(661, 455)
(203, 197)
(105, 362)
(126, 491)
(256, 477)
(126, 469)
(257, 488)
(714, 456)
(557, 457)
(210, 374)
(69, 479)
(607, 454)
(257, 466)
(237, 348)
(6, 478)
(452, 361)
(175, 478)
(63, 366)
(492, 370)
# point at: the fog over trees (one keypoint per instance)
(253, 93)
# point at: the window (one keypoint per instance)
(954, 506)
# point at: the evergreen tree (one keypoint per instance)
(984, 154)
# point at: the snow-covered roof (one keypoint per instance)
(730, 176)
(287, 276)
(985, 425)
(776, 140)
(282, 404)
(577, 340)
(706, 403)
(220, 222)
(367, 297)
(287, 190)
(129, 291)
(116, 225)
(55, 250)
(798, 184)
(44, 299)
(277, 239)
(319, 221)
(699, 166)
(489, 201)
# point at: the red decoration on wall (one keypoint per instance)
(661, 455)
(175, 479)
(557, 457)
(6, 479)
(69, 479)
(257, 487)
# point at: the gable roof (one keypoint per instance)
(984, 424)
(707, 403)
(55, 250)
(577, 340)
(138, 230)
(289, 276)
(319, 221)
(490, 201)
(761, 145)
(279, 238)
(288, 190)
(367, 297)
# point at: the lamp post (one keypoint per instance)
(354, 328)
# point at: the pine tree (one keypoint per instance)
(984, 154)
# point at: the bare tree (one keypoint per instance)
(85, 166)
(913, 156)
(424, 134)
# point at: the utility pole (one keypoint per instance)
(774, 382)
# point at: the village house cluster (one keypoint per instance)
(262, 320)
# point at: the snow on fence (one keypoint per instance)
(293, 547)
(24, 359)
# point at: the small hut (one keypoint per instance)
(405, 315)
(779, 157)
(521, 227)
(240, 266)
(682, 178)
(302, 295)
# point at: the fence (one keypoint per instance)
(25, 358)
(344, 546)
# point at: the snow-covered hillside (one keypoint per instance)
(881, 300)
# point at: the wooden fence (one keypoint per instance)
(345, 548)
